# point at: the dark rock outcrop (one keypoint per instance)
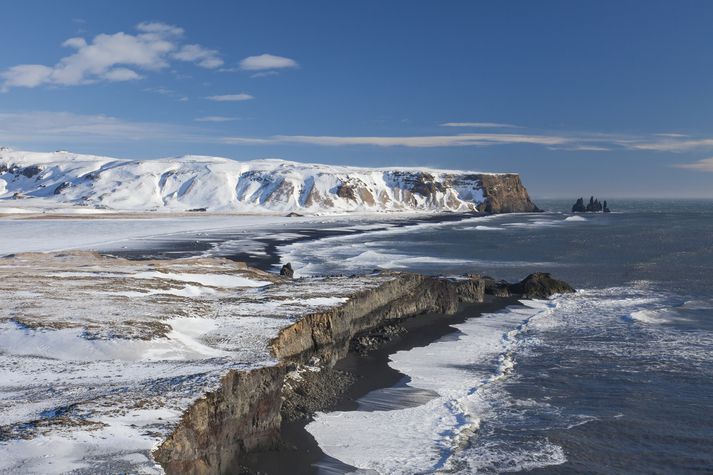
(287, 270)
(32, 170)
(579, 207)
(594, 206)
(61, 187)
(540, 285)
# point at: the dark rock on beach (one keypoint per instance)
(540, 285)
(287, 270)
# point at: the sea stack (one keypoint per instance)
(594, 206)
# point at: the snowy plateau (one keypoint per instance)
(45, 181)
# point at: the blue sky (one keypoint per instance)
(612, 98)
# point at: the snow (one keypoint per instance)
(67, 182)
(53, 234)
(212, 280)
(100, 356)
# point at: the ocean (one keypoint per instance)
(617, 378)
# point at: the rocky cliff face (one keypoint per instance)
(219, 184)
(244, 413)
(505, 194)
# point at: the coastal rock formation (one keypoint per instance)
(506, 194)
(276, 186)
(540, 285)
(207, 439)
(594, 206)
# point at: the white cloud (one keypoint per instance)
(121, 74)
(205, 58)
(482, 125)
(112, 57)
(266, 62)
(462, 140)
(159, 28)
(231, 97)
(76, 42)
(705, 165)
(25, 75)
(214, 118)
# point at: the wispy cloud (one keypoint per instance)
(480, 125)
(203, 57)
(113, 57)
(582, 148)
(215, 118)
(423, 141)
(231, 97)
(66, 128)
(705, 165)
(670, 144)
(265, 62)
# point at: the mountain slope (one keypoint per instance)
(219, 184)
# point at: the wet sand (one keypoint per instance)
(268, 259)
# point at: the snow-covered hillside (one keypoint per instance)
(219, 184)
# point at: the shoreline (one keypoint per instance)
(370, 371)
(269, 258)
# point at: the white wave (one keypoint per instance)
(481, 228)
(576, 219)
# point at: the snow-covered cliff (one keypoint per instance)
(219, 184)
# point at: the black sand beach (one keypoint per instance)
(300, 454)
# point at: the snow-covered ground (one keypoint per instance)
(46, 233)
(31, 181)
(100, 356)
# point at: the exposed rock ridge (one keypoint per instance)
(244, 414)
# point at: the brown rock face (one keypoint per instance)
(327, 334)
(241, 416)
(505, 194)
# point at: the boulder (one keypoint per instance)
(540, 285)
(287, 270)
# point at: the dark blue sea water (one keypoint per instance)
(617, 378)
